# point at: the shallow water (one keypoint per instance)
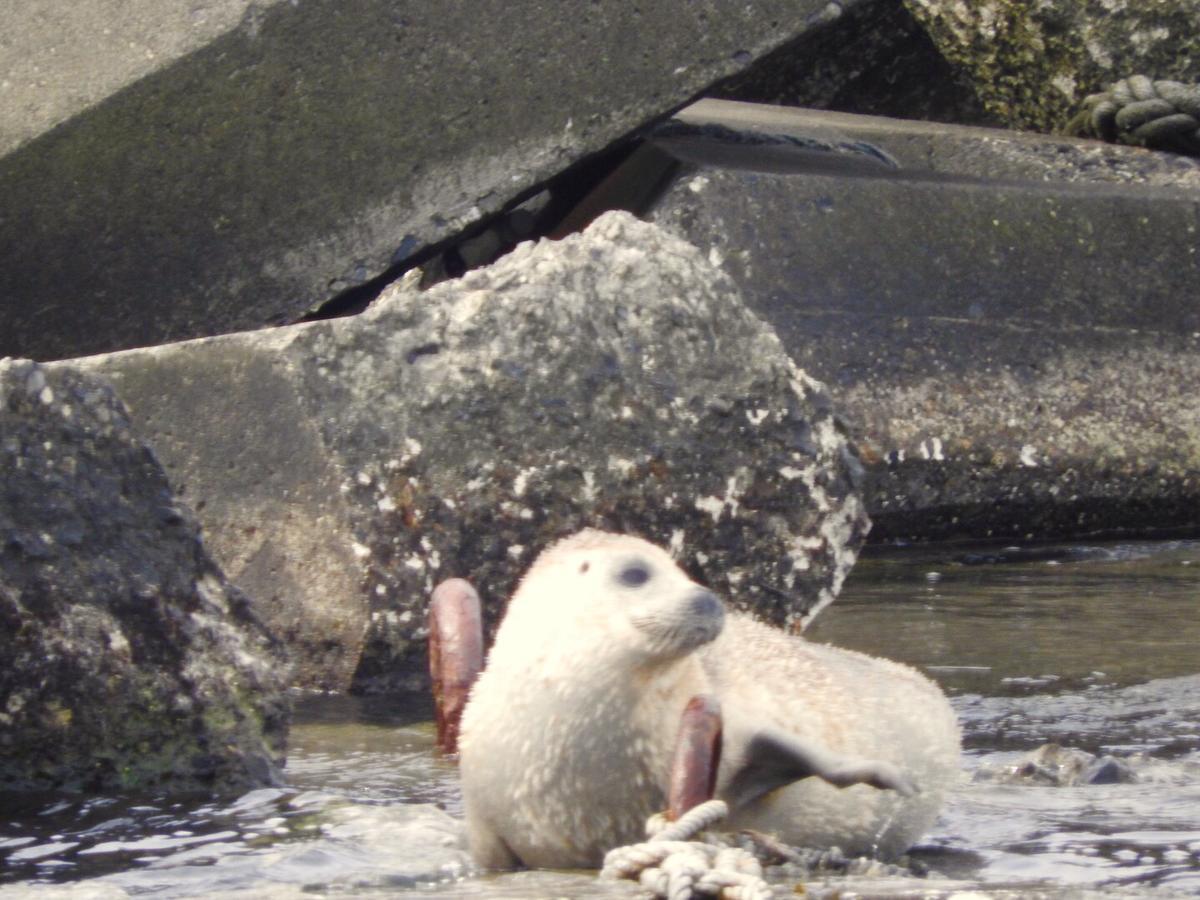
(1093, 648)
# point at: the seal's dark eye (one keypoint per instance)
(634, 575)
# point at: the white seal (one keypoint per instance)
(568, 735)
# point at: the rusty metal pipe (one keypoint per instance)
(697, 756)
(455, 654)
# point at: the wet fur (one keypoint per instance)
(567, 738)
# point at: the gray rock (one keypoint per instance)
(1031, 64)
(129, 661)
(979, 337)
(1056, 766)
(612, 379)
(197, 170)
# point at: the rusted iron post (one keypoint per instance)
(455, 654)
(697, 756)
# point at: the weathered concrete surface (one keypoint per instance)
(875, 59)
(129, 660)
(317, 144)
(241, 446)
(926, 151)
(612, 379)
(1031, 64)
(57, 59)
(1014, 359)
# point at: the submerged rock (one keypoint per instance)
(613, 379)
(1056, 766)
(129, 660)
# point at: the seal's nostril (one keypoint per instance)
(705, 604)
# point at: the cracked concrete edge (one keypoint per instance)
(266, 491)
(933, 151)
(310, 148)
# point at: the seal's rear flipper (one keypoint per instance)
(455, 654)
(697, 756)
(774, 758)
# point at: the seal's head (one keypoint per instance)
(619, 586)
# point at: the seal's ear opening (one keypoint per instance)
(584, 566)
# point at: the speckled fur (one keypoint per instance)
(567, 739)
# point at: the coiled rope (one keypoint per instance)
(1161, 115)
(675, 867)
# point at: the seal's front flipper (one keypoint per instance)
(774, 758)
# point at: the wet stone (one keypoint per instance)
(129, 660)
(1057, 766)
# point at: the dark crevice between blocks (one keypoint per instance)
(632, 177)
(873, 59)
(563, 205)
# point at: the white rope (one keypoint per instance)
(690, 824)
(674, 867)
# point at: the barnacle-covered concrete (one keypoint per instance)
(1005, 322)
(1031, 64)
(614, 378)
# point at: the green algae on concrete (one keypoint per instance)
(129, 661)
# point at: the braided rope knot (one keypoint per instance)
(1162, 115)
(675, 867)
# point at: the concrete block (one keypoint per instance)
(613, 379)
(59, 59)
(242, 447)
(261, 169)
(1014, 358)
